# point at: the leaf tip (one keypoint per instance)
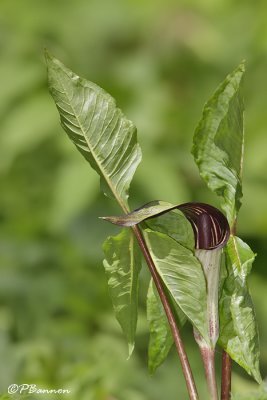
(130, 350)
(151, 369)
(113, 220)
(121, 221)
(48, 56)
(242, 66)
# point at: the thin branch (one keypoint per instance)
(226, 376)
(190, 383)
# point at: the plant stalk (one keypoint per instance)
(189, 379)
(226, 376)
(208, 357)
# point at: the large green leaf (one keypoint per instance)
(122, 265)
(175, 225)
(160, 340)
(104, 136)
(218, 143)
(182, 275)
(238, 329)
(218, 151)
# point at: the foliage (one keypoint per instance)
(219, 152)
(122, 265)
(219, 143)
(105, 138)
(160, 60)
(160, 339)
(97, 127)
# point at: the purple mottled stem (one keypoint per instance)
(226, 376)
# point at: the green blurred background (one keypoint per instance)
(161, 60)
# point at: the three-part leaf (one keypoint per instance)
(218, 143)
(99, 130)
(122, 265)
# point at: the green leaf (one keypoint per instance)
(219, 141)
(238, 329)
(183, 277)
(99, 130)
(122, 265)
(175, 225)
(160, 340)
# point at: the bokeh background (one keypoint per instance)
(161, 60)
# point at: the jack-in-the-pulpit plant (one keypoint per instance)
(198, 266)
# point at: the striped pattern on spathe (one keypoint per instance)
(210, 226)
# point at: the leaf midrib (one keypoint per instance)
(120, 201)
